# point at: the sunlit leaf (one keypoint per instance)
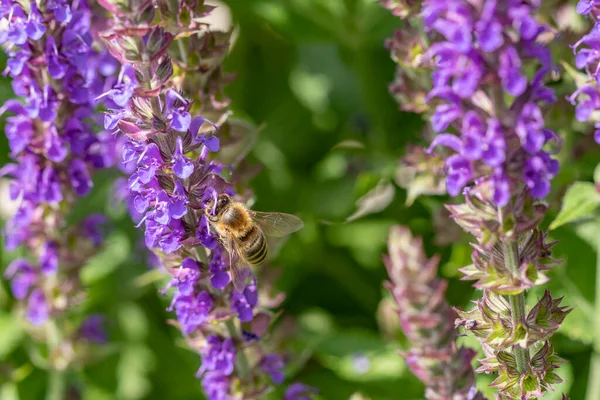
(115, 252)
(580, 201)
(11, 333)
(377, 199)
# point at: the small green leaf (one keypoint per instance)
(376, 200)
(11, 333)
(115, 252)
(581, 199)
(360, 356)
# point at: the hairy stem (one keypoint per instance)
(241, 362)
(593, 388)
(517, 302)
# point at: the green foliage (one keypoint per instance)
(580, 201)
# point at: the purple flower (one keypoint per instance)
(62, 11)
(80, 177)
(177, 111)
(123, 90)
(37, 308)
(192, 311)
(49, 258)
(22, 276)
(57, 65)
(273, 365)
(93, 228)
(218, 266)
(204, 235)
(216, 385)
(299, 391)
(182, 166)
(187, 276)
(218, 355)
(92, 329)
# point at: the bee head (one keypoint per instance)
(216, 207)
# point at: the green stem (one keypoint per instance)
(517, 302)
(593, 388)
(241, 361)
(56, 375)
(56, 385)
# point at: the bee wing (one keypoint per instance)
(277, 224)
(237, 264)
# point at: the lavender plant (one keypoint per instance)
(427, 320)
(586, 98)
(56, 72)
(487, 95)
(176, 170)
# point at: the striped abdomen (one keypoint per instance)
(253, 246)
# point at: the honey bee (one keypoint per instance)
(242, 232)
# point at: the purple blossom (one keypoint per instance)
(273, 365)
(299, 391)
(216, 385)
(92, 329)
(182, 166)
(586, 98)
(22, 276)
(93, 228)
(37, 307)
(218, 355)
(497, 42)
(192, 310)
(177, 111)
(49, 257)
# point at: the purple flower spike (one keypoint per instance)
(174, 185)
(487, 97)
(56, 152)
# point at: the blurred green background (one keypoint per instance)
(315, 72)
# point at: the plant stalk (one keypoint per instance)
(241, 362)
(56, 375)
(593, 387)
(517, 302)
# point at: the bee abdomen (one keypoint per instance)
(256, 251)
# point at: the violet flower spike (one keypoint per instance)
(55, 72)
(172, 162)
(586, 98)
(486, 98)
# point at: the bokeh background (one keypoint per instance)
(315, 74)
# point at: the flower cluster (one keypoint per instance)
(427, 320)
(586, 98)
(175, 172)
(57, 74)
(481, 55)
(486, 99)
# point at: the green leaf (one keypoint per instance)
(11, 333)
(116, 251)
(581, 199)
(360, 356)
(376, 200)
